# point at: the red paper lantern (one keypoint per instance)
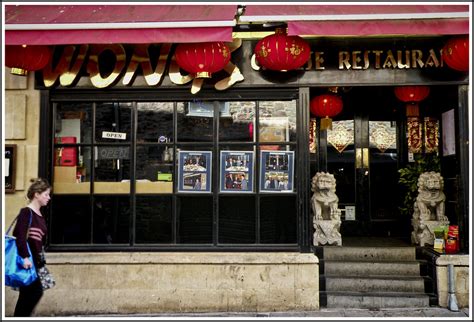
(456, 53)
(326, 106)
(412, 95)
(281, 52)
(22, 59)
(202, 59)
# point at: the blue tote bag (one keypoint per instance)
(15, 274)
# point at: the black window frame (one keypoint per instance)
(301, 189)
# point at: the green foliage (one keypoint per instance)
(409, 178)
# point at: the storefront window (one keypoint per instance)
(137, 185)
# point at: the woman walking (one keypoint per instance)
(32, 233)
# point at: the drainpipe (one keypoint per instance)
(452, 302)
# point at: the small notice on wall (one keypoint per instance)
(350, 213)
(449, 137)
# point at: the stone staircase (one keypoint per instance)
(373, 277)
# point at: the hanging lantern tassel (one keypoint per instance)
(326, 106)
(413, 110)
(412, 96)
(22, 59)
(326, 123)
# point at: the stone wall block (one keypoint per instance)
(256, 275)
(279, 275)
(178, 276)
(306, 276)
(20, 180)
(31, 164)
(15, 117)
(14, 81)
(249, 300)
(307, 298)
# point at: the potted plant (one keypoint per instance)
(409, 178)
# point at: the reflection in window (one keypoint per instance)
(113, 118)
(74, 120)
(239, 123)
(193, 128)
(155, 122)
(278, 118)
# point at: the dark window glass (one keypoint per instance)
(238, 122)
(155, 122)
(153, 219)
(195, 219)
(237, 219)
(113, 118)
(194, 126)
(152, 160)
(278, 217)
(112, 163)
(111, 220)
(70, 220)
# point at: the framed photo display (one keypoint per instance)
(194, 171)
(236, 171)
(276, 171)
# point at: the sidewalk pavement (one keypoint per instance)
(431, 312)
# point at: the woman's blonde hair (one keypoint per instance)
(38, 185)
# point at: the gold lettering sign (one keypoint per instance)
(67, 69)
(319, 60)
(72, 58)
(141, 57)
(93, 67)
(400, 63)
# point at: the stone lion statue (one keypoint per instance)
(324, 201)
(327, 215)
(429, 204)
(429, 208)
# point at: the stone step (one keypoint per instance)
(414, 284)
(375, 300)
(366, 268)
(370, 253)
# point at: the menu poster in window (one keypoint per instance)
(9, 166)
(236, 171)
(194, 171)
(276, 171)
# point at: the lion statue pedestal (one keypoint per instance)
(326, 215)
(428, 209)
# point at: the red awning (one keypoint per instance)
(94, 24)
(364, 20)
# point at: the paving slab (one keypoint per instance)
(325, 312)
